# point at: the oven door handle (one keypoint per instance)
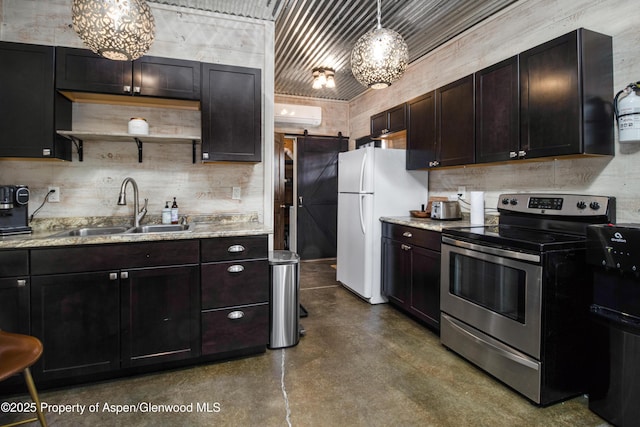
(491, 250)
(497, 347)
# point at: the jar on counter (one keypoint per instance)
(138, 126)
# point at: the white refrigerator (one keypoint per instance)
(372, 182)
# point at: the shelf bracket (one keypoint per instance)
(139, 144)
(79, 147)
(193, 150)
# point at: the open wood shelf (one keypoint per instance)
(78, 138)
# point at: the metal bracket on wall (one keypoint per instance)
(139, 144)
(79, 146)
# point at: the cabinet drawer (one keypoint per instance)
(113, 257)
(234, 248)
(228, 284)
(221, 332)
(412, 236)
(14, 263)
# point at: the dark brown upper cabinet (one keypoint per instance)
(231, 113)
(31, 110)
(455, 126)
(84, 71)
(497, 112)
(565, 102)
(389, 121)
(421, 131)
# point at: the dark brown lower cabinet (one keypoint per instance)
(160, 315)
(235, 294)
(232, 329)
(108, 310)
(76, 316)
(14, 291)
(411, 271)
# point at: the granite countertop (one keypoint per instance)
(434, 224)
(42, 235)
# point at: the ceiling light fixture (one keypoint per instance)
(122, 30)
(323, 77)
(379, 57)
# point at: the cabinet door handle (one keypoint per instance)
(113, 276)
(126, 88)
(407, 234)
(235, 249)
(205, 155)
(235, 315)
(235, 268)
(136, 89)
(405, 247)
(522, 154)
(124, 275)
(513, 154)
(22, 283)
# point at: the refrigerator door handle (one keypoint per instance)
(362, 165)
(362, 227)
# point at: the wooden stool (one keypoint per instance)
(17, 353)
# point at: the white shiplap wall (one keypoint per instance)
(90, 188)
(525, 24)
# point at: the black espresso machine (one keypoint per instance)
(14, 210)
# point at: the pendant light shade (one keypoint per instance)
(122, 30)
(379, 57)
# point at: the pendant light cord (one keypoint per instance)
(379, 24)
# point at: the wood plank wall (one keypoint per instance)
(90, 188)
(525, 24)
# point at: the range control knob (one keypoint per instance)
(505, 201)
(581, 204)
(514, 202)
(594, 205)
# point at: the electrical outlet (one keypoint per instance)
(55, 196)
(235, 194)
(462, 190)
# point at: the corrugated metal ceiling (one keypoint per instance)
(321, 33)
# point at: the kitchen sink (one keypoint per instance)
(90, 231)
(159, 228)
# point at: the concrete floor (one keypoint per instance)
(358, 365)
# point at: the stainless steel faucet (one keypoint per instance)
(138, 213)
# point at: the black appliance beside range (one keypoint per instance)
(515, 296)
(14, 210)
(614, 390)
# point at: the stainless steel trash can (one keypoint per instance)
(284, 311)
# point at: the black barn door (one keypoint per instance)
(317, 182)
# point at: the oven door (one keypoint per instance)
(497, 291)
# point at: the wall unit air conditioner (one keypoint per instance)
(290, 115)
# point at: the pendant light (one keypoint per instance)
(379, 57)
(122, 30)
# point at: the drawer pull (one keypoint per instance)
(235, 269)
(113, 276)
(405, 247)
(407, 234)
(235, 249)
(22, 283)
(124, 275)
(234, 315)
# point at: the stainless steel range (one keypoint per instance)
(515, 296)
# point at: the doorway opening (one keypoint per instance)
(306, 194)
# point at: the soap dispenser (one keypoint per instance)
(166, 214)
(174, 212)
